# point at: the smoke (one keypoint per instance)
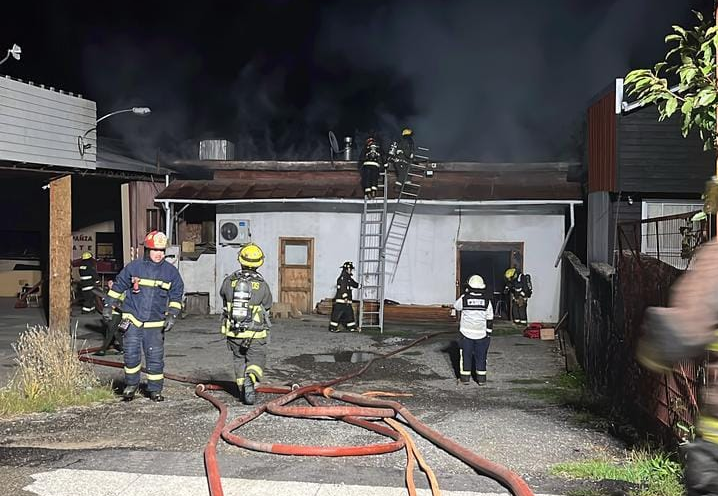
(477, 81)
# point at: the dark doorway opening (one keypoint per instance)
(490, 261)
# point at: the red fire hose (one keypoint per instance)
(362, 408)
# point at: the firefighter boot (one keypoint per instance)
(481, 379)
(156, 396)
(250, 396)
(464, 379)
(128, 394)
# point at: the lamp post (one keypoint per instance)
(82, 146)
(15, 51)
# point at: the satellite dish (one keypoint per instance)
(334, 145)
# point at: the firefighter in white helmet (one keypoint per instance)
(245, 321)
(476, 325)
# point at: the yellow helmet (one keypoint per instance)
(510, 273)
(407, 132)
(86, 255)
(251, 255)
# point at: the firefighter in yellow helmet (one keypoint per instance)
(245, 321)
(520, 289)
(153, 291)
(403, 155)
(89, 282)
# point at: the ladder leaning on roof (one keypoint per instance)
(371, 258)
(403, 213)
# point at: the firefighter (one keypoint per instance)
(245, 321)
(153, 292)
(369, 165)
(519, 287)
(476, 325)
(113, 335)
(404, 156)
(342, 310)
(89, 282)
(687, 331)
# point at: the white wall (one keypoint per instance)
(199, 277)
(427, 269)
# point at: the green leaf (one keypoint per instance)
(671, 106)
(705, 97)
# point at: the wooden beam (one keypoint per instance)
(60, 252)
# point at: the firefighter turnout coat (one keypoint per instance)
(260, 302)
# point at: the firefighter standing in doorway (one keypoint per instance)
(153, 292)
(519, 287)
(245, 323)
(370, 164)
(476, 325)
(342, 310)
(89, 282)
(687, 331)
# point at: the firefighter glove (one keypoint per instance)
(170, 322)
(107, 313)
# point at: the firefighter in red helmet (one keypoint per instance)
(153, 292)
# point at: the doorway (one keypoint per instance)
(490, 260)
(296, 272)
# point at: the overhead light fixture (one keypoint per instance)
(82, 147)
(15, 51)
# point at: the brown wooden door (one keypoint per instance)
(296, 272)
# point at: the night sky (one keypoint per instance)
(477, 80)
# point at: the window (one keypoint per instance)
(155, 220)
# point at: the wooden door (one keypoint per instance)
(296, 272)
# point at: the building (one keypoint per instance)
(471, 217)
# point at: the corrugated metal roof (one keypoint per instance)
(462, 182)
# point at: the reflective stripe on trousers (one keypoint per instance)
(152, 340)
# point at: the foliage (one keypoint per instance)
(655, 473)
(49, 374)
(691, 65)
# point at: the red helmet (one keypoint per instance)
(156, 240)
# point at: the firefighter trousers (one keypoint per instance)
(473, 350)
(518, 309)
(701, 475)
(88, 299)
(369, 179)
(342, 313)
(152, 341)
(249, 358)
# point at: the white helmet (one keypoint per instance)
(477, 282)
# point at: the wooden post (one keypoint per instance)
(60, 252)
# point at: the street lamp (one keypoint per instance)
(15, 51)
(82, 146)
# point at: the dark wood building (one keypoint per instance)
(638, 167)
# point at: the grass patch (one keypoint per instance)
(654, 473)
(49, 375)
(527, 381)
(506, 328)
(566, 389)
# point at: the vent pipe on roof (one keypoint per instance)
(216, 149)
(347, 154)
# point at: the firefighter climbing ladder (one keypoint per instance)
(380, 248)
(403, 213)
(371, 259)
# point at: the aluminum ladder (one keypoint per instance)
(403, 212)
(371, 258)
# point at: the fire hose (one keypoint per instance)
(361, 410)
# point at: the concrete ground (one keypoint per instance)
(156, 448)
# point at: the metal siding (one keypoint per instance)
(602, 144)
(654, 157)
(41, 126)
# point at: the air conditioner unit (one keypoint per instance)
(234, 232)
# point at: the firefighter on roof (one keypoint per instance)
(477, 323)
(153, 292)
(89, 282)
(370, 164)
(342, 310)
(245, 321)
(403, 155)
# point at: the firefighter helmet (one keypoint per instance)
(251, 255)
(510, 273)
(86, 255)
(476, 282)
(407, 132)
(156, 240)
(348, 265)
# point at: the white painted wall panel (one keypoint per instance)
(427, 270)
(41, 126)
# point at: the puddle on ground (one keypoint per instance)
(345, 356)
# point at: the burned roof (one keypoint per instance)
(460, 181)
